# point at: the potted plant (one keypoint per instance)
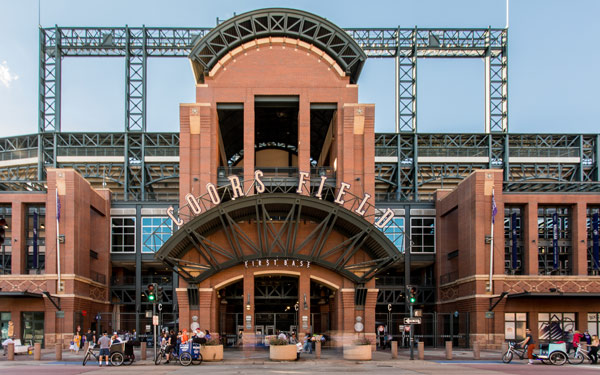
(281, 350)
(360, 350)
(212, 350)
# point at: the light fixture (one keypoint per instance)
(248, 303)
(305, 304)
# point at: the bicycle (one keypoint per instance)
(579, 356)
(184, 357)
(90, 353)
(549, 353)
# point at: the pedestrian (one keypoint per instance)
(568, 339)
(529, 342)
(577, 336)
(307, 344)
(90, 338)
(282, 336)
(207, 335)
(587, 337)
(104, 343)
(171, 345)
(594, 349)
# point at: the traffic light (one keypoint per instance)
(151, 293)
(2, 230)
(412, 295)
(159, 293)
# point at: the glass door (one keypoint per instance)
(33, 327)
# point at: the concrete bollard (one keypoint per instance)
(143, 350)
(394, 349)
(476, 351)
(421, 349)
(58, 351)
(37, 351)
(318, 349)
(448, 350)
(10, 352)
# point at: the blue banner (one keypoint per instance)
(555, 240)
(595, 250)
(35, 240)
(514, 237)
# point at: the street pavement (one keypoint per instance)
(331, 362)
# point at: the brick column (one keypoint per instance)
(348, 318)
(369, 315)
(530, 234)
(204, 315)
(304, 304)
(579, 236)
(304, 134)
(19, 256)
(249, 132)
(184, 308)
(249, 333)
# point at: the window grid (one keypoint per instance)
(123, 235)
(41, 237)
(6, 247)
(545, 243)
(422, 235)
(509, 232)
(590, 249)
(514, 326)
(394, 231)
(155, 232)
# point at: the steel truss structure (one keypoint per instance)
(136, 45)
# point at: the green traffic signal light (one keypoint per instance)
(412, 300)
(150, 296)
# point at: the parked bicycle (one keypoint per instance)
(117, 356)
(185, 356)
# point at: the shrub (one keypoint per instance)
(277, 341)
(362, 341)
(213, 342)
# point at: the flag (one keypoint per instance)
(57, 207)
(494, 207)
(35, 241)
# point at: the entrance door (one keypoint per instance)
(33, 327)
(270, 330)
(275, 298)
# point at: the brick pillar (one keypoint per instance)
(530, 234)
(304, 304)
(19, 256)
(304, 134)
(369, 314)
(249, 132)
(579, 236)
(204, 315)
(348, 318)
(184, 308)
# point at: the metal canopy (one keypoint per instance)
(278, 241)
(291, 23)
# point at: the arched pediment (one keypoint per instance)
(277, 22)
(278, 227)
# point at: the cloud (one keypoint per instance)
(6, 77)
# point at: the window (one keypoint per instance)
(6, 247)
(33, 327)
(395, 232)
(554, 260)
(4, 320)
(35, 228)
(513, 241)
(593, 323)
(123, 235)
(553, 326)
(155, 232)
(514, 326)
(422, 234)
(593, 218)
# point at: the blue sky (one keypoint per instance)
(554, 75)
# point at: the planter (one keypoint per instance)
(358, 352)
(282, 352)
(212, 353)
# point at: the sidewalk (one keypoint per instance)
(261, 355)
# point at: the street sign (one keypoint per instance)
(155, 320)
(489, 314)
(412, 320)
(60, 314)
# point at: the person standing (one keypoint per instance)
(90, 338)
(104, 343)
(530, 343)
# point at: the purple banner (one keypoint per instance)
(35, 241)
(514, 237)
(555, 240)
(595, 250)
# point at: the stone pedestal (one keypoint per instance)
(10, 352)
(421, 349)
(394, 349)
(448, 350)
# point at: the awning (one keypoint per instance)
(20, 295)
(552, 295)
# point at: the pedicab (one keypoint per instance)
(551, 353)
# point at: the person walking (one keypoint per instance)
(594, 349)
(104, 343)
(529, 342)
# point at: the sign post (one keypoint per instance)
(411, 339)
